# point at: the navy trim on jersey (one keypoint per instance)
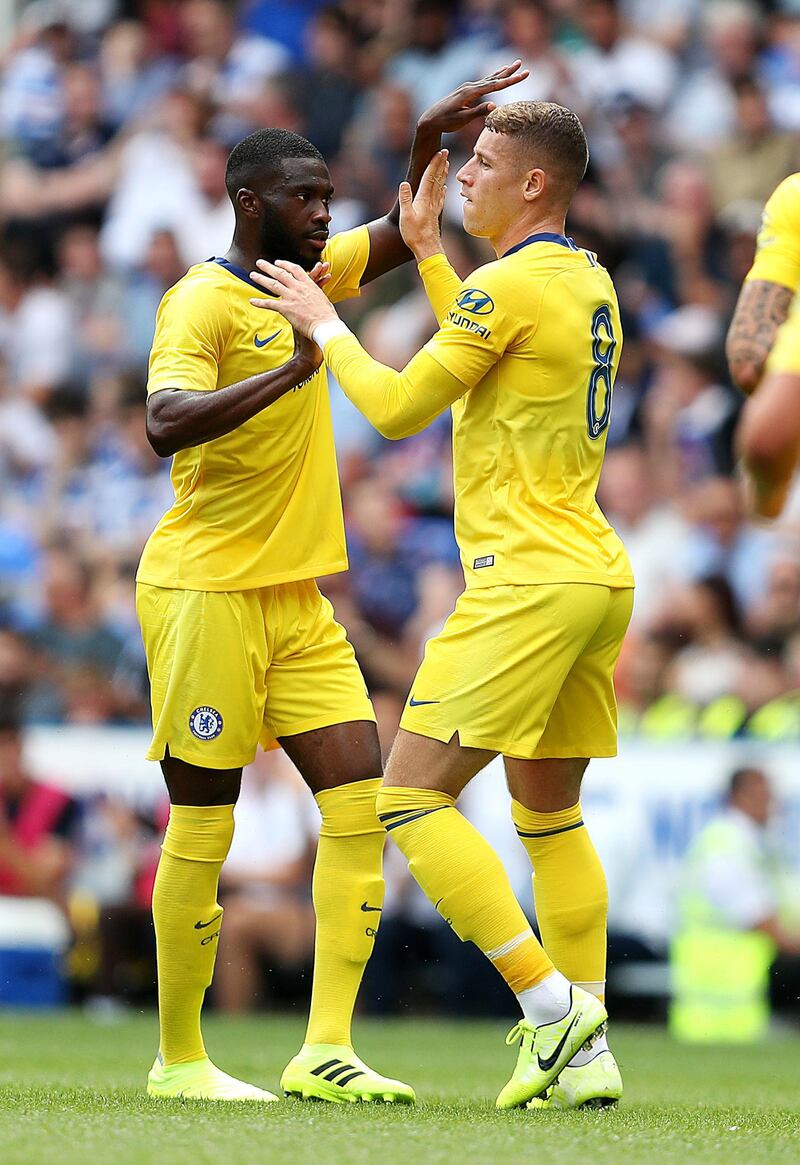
(543, 237)
(239, 272)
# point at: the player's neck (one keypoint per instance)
(518, 231)
(241, 254)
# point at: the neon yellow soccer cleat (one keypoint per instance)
(200, 1080)
(597, 1084)
(545, 1050)
(333, 1072)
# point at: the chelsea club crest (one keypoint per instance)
(205, 723)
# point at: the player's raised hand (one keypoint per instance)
(466, 102)
(419, 213)
(293, 294)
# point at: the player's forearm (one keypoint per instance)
(387, 249)
(441, 284)
(425, 144)
(768, 440)
(180, 419)
(398, 404)
(761, 309)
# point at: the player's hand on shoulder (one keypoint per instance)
(293, 294)
(419, 214)
(466, 102)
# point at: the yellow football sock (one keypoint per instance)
(465, 879)
(187, 920)
(569, 888)
(348, 898)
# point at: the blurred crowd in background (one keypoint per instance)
(116, 121)
(116, 117)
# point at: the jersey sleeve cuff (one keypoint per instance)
(327, 330)
(432, 261)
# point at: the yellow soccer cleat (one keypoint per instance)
(547, 1049)
(597, 1084)
(335, 1073)
(200, 1080)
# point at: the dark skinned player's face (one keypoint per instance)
(295, 203)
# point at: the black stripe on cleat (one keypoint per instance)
(346, 1079)
(323, 1067)
(338, 1071)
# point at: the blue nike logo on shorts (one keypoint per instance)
(260, 343)
(412, 703)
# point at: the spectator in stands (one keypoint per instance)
(703, 112)
(655, 534)
(69, 636)
(615, 63)
(133, 76)
(32, 309)
(436, 59)
(330, 84)
(96, 299)
(38, 823)
(714, 659)
(31, 94)
(690, 411)
(722, 543)
(222, 63)
(756, 156)
(83, 130)
(527, 34)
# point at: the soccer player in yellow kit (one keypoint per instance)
(763, 350)
(526, 354)
(241, 646)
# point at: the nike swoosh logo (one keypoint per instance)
(412, 703)
(203, 925)
(260, 343)
(550, 1061)
(365, 907)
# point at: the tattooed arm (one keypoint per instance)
(761, 309)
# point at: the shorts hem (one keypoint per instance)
(192, 757)
(323, 720)
(515, 749)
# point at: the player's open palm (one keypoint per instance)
(419, 214)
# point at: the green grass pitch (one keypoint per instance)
(71, 1094)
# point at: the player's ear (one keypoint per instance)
(248, 203)
(534, 185)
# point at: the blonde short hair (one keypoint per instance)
(551, 135)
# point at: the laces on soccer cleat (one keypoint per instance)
(518, 1031)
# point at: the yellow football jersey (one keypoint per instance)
(778, 261)
(777, 257)
(260, 505)
(526, 355)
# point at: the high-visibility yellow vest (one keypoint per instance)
(720, 975)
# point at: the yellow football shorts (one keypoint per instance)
(526, 671)
(230, 669)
